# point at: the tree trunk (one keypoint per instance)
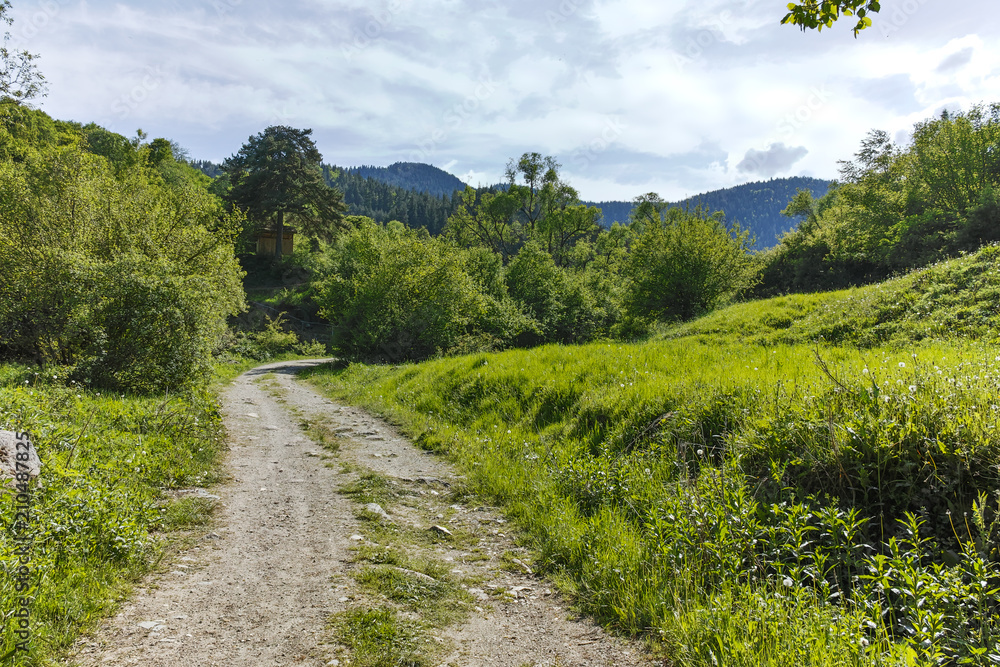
(279, 236)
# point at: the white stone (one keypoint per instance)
(10, 447)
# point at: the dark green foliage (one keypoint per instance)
(559, 301)
(755, 206)
(374, 195)
(157, 327)
(413, 176)
(488, 219)
(120, 153)
(812, 15)
(118, 263)
(897, 208)
(396, 294)
(276, 176)
(208, 168)
(383, 202)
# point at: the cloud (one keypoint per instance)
(631, 96)
(776, 159)
(895, 92)
(956, 60)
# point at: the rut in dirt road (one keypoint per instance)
(282, 560)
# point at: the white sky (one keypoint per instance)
(631, 96)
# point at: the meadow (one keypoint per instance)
(806, 480)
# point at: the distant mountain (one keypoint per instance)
(413, 176)
(379, 200)
(421, 195)
(756, 206)
(382, 201)
(614, 211)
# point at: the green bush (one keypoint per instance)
(397, 294)
(686, 264)
(109, 268)
(560, 301)
(155, 331)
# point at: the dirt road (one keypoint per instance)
(282, 559)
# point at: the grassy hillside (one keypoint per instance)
(739, 492)
(955, 299)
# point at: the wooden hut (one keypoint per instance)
(266, 242)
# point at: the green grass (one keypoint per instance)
(96, 524)
(742, 494)
(411, 592)
(323, 435)
(954, 299)
(381, 638)
(187, 513)
(372, 487)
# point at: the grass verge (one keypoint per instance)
(96, 523)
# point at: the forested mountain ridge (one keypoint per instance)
(422, 195)
(756, 206)
(376, 199)
(413, 176)
(382, 202)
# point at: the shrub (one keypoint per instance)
(109, 268)
(559, 301)
(686, 264)
(396, 294)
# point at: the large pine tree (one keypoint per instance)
(276, 176)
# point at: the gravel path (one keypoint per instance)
(261, 587)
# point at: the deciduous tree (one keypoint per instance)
(819, 14)
(686, 263)
(19, 76)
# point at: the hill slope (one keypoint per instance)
(755, 206)
(956, 298)
(413, 176)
